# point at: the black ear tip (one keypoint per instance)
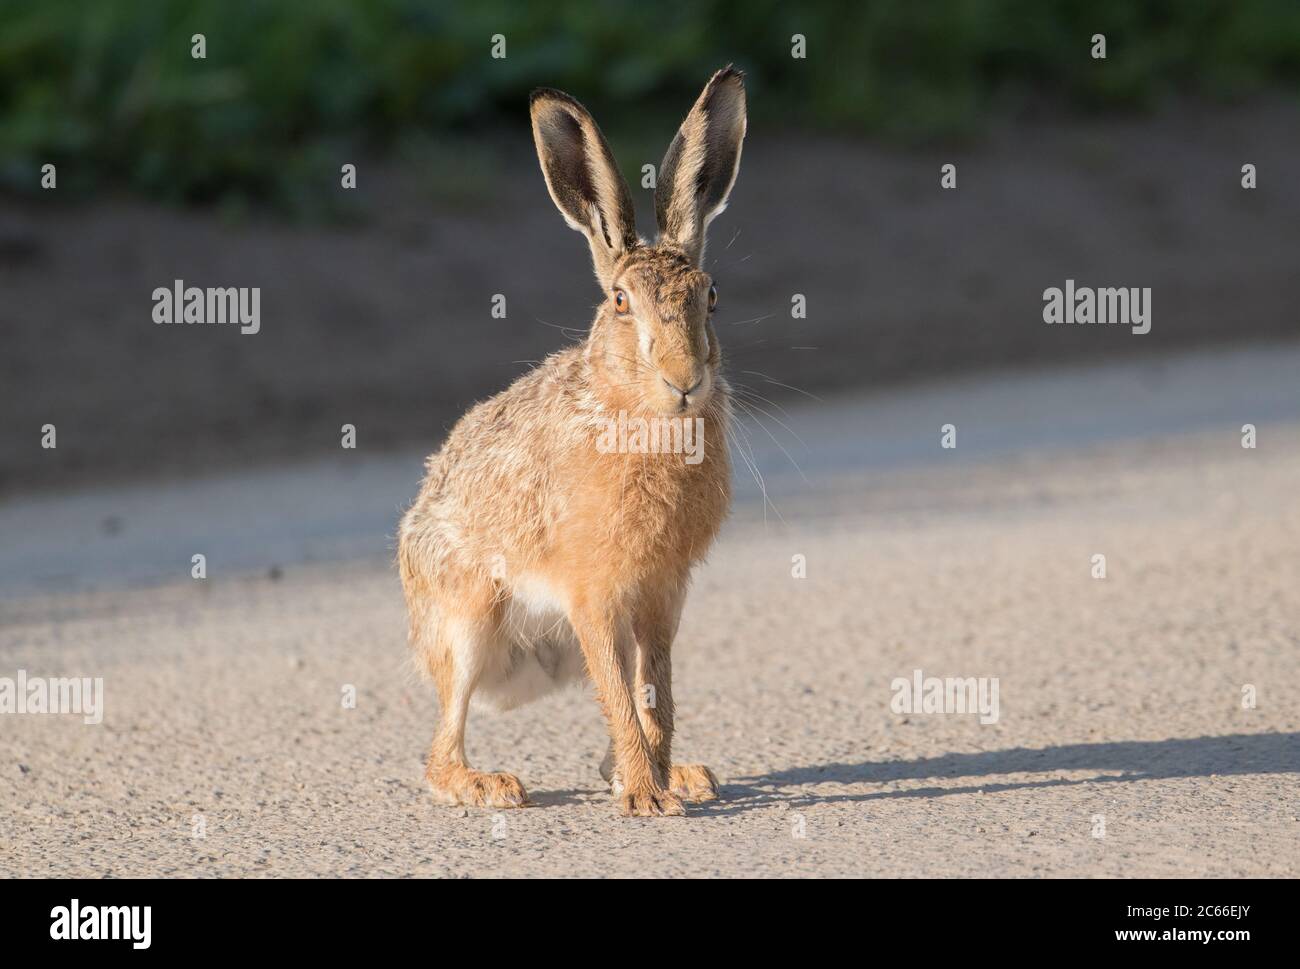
(730, 73)
(550, 96)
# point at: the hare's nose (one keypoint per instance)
(677, 390)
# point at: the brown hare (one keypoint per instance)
(543, 541)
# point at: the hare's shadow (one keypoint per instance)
(1138, 760)
(567, 798)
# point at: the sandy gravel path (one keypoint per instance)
(1120, 699)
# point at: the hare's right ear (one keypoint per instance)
(582, 178)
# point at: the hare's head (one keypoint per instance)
(652, 340)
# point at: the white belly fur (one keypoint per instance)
(535, 652)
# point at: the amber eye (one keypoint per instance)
(620, 301)
(713, 297)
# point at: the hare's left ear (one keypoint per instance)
(697, 173)
(582, 178)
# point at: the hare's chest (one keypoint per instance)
(673, 515)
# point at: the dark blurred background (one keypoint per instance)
(376, 302)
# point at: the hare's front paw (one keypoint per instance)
(693, 782)
(651, 803)
(475, 788)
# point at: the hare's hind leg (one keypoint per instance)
(609, 770)
(456, 659)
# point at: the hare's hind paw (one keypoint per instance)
(460, 785)
(693, 782)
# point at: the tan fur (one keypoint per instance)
(529, 554)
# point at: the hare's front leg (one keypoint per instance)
(643, 794)
(655, 624)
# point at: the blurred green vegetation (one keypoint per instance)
(109, 92)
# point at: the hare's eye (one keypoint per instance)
(620, 301)
(713, 297)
